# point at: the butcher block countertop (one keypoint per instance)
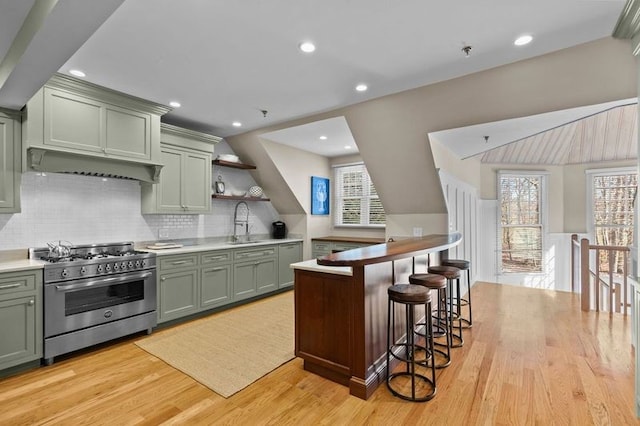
(404, 248)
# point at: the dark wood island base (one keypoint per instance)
(341, 308)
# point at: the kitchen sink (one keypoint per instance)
(237, 243)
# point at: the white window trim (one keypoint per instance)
(336, 210)
(544, 212)
(590, 174)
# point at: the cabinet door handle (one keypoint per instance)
(217, 257)
(31, 302)
(6, 286)
(216, 269)
(163, 279)
(179, 262)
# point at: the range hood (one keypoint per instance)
(52, 161)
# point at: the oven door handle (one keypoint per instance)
(103, 281)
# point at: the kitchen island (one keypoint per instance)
(341, 307)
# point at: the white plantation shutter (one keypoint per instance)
(356, 199)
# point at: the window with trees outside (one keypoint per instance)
(356, 200)
(521, 227)
(613, 196)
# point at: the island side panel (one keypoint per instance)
(369, 331)
(323, 316)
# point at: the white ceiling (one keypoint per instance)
(228, 60)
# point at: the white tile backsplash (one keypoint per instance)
(86, 209)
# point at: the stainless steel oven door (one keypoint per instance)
(79, 304)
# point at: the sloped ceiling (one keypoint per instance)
(607, 136)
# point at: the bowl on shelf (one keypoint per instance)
(229, 157)
(237, 193)
(255, 191)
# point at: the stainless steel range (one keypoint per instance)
(94, 293)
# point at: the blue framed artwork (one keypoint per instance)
(319, 195)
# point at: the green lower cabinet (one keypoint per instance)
(320, 248)
(287, 254)
(178, 294)
(195, 282)
(20, 318)
(266, 276)
(17, 333)
(215, 286)
(244, 281)
(255, 277)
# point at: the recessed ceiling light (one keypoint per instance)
(307, 47)
(361, 87)
(77, 73)
(236, 124)
(323, 138)
(522, 40)
(347, 147)
(175, 104)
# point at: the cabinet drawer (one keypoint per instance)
(215, 257)
(255, 253)
(16, 282)
(177, 262)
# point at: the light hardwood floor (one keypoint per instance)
(532, 357)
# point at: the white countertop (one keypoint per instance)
(21, 265)
(312, 265)
(218, 245)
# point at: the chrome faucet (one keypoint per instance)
(241, 217)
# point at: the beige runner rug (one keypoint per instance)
(230, 350)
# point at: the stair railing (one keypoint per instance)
(600, 290)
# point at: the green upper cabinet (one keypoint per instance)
(185, 180)
(9, 161)
(74, 126)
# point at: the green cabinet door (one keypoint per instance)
(287, 254)
(9, 163)
(73, 122)
(320, 248)
(185, 180)
(80, 123)
(196, 186)
(177, 294)
(215, 286)
(244, 280)
(18, 331)
(128, 133)
(266, 275)
(170, 186)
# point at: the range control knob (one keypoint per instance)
(64, 273)
(116, 266)
(137, 263)
(107, 267)
(123, 265)
(144, 263)
(83, 270)
(130, 264)
(100, 269)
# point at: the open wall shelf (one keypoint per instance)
(233, 165)
(234, 197)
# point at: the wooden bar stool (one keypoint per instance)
(441, 325)
(463, 265)
(451, 273)
(416, 386)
